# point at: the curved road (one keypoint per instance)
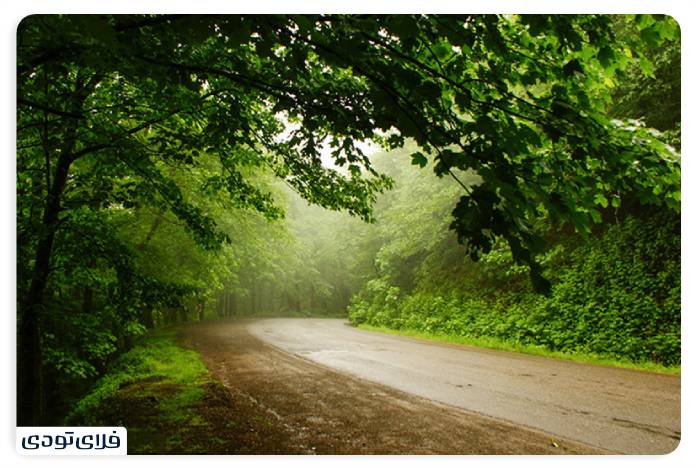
(619, 410)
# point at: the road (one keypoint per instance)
(619, 410)
(281, 403)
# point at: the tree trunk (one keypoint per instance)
(29, 359)
(30, 404)
(150, 234)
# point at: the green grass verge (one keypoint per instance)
(496, 343)
(163, 394)
(158, 360)
(154, 390)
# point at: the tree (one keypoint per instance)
(109, 103)
(652, 88)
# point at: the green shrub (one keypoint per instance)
(615, 295)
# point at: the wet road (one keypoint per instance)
(620, 410)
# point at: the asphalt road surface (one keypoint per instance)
(280, 403)
(619, 410)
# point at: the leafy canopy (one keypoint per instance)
(519, 100)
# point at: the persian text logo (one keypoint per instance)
(72, 441)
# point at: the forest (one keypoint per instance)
(506, 180)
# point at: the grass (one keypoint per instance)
(160, 362)
(154, 390)
(496, 343)
(169, 402)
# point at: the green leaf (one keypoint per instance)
(647, 66)
(605, 56)
(418, 159)
(600, 199)
(651, 36)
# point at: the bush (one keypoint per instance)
(615, 295)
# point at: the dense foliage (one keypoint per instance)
(615, 296)
(154, 152)
(616, 292)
